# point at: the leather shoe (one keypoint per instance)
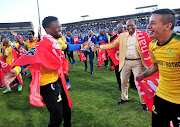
(121, 102)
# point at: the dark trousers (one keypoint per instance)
(57, 104)
(165, 111)
(131, 81)
(90, 59)
(118, 75)
(106, 61)
(96, 54)
(70, 56)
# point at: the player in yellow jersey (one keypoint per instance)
(19, 48)
(51, 88)
(31, 42)
(165, 57)
(7, 55)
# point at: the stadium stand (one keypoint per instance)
(20, 27)
(95, 25)
(141, 19)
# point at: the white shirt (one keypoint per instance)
(132, 52)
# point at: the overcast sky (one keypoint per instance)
(72, 10)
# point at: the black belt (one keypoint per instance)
(132, 59)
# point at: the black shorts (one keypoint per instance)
(163, 112)
(57, 104)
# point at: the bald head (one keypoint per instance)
(110, 31)
(131, 26)
(103, 32)
(130, 20)
(68, 33)
(5, 42)
(120, 28)
(90, 33)
(2, 37)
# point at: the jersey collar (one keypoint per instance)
(168, 40)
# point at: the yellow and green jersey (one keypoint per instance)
(62, 43)
(8, 53)
(167, 56)
(29, 44)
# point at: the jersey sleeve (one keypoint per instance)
(64, 46)
(151, 45)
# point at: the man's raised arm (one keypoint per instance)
(16, 35)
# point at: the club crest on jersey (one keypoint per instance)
(31, 52)
(170, 52)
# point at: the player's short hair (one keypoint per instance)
(47, 20)
(168, 16)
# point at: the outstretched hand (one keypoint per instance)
(9, 78)
(86, 44)
(13, 33)
(95, 48)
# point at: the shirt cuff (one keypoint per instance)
(17, 69)
(81, 46)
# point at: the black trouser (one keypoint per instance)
(96, 54)
(71, 56)
(106, 61)
(165, 111)
(118, 75)
(131, 80)
(90, 59)
(58, 109)
(65, 52)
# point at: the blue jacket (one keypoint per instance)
(70, 40)
(93, 39)
(72, 47)
(102, 38)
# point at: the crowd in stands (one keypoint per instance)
(94, 27)
(178, 21)
(141, 23)
(11, 37)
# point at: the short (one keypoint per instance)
(163, 112)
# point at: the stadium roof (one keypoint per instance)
(146, 6)
(16, 26)
(137, 15)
